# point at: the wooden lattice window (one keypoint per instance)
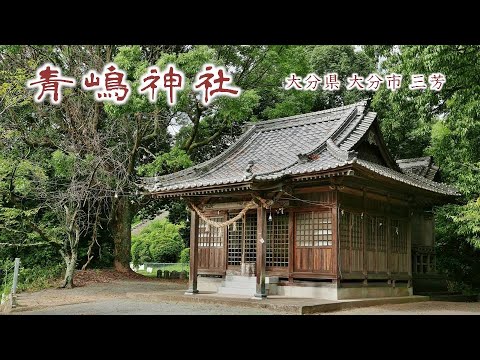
(235, 236)
(277, 241)
(424, 263)
(345, 219)
(210, 236)
(351, 230)
(376, 234)
(313, 229)
(250, 237)
(371, 233)
(398, 230)
(356, 231)
(381, 234)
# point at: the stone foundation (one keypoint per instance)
(343, 291)
(325, 290)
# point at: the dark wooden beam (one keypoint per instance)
(192, 280)
(261, 292)
(312, 189)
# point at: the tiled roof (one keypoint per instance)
(423, 166)
(409, 178)
(288, 147)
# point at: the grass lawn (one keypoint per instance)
(172, 267)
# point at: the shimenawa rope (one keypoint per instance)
(250, 205)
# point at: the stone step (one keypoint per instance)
(236, 291)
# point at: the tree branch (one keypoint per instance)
(206, 141)
(196, 123)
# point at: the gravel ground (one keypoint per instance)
(107, 294)
(420, 308)
(134, 307)
(118, 297)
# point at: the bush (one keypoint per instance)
(160, 241)
(37, 278)
(29, 278)
(185, 255)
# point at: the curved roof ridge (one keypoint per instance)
(193, 170)
(311, 114)
(407, 160)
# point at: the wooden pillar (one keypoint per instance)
(335, 233)
(388, 237)
(364, 233)
(409, 240)
(291, 239)
(261, 292)
(192, 282)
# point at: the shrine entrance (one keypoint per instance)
(242, 244)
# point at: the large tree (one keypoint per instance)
(134, 137)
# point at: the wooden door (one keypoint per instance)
(313, 243)
(242, 242)
(277, 243)
(376, 244)
(211, 246)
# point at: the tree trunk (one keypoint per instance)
(71, 262)
(121, 226)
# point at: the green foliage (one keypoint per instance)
(166, 163)
(344, 60)
(38, 277)
(160, 241)
(136, 220)
(445, 124)
(457, 258)
(185, 256)
(178, 213)
(62, 164)
(465, 220)
(31, 278)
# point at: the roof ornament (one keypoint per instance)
(248, 170)
(371, 138)
(340, 154)
(302, 158)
